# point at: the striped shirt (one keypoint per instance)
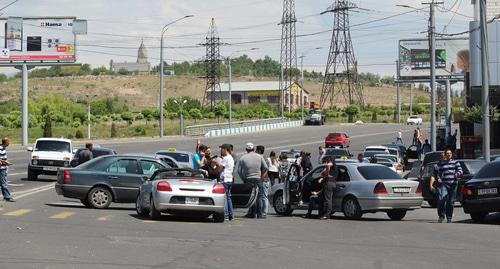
(448, 171)
(3, 157)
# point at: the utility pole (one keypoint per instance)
(398, 94)
(448, 107)
(411, 99)
(288, 58)
(485, 81)
(230, 97)
(432, 48)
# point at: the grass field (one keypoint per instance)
(142, 91)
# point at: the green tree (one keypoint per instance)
(128, 117)
(352, 110)
(114, 131)
(47, 126)
(195, 114)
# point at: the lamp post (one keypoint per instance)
(302, 81)
(181, 116)
(229, 85)
(88, 114)
(163, 30)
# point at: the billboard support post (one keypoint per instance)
(25, 104)
(432, 48)
(411, 98)
(448, 107)
(398, 93)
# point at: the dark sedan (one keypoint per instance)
(106, 179)
(470, 169)
(96, 152)
(481, 194)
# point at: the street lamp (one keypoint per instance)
(163, 30)
(302, 80)
(88, 113)
(229, 84)
(181, 119)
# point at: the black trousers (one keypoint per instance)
(328, 189)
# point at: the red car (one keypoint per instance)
(337, 139)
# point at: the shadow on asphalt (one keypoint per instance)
(72, 204)
(40, 179)
(176, 218)
(491, 219)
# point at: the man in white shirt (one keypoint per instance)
(227, 166)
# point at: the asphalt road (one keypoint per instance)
(43, 230)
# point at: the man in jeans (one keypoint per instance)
(264, 186)
(227, 166)
(446, 174)
(4, 163)
(252, 169)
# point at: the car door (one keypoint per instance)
(306, 183)
(343, 187)
(291, 184)
(125, 177)
(243, 194)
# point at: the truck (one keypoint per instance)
(315, 116)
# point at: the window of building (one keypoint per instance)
(273, 99)
(253, 99)
(236, 98)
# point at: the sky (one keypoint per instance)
(117, 27)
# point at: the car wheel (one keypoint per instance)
(139, 208)
(398, 214)
(153, 213)
(218, 217)
(432, 203)
(86, 203)
(279, 207)
(32, 175)
(352, 209)
(100, 197)
(478, 217)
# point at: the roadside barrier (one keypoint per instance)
(253, 129)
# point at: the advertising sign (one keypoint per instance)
(452, 58)
(37, 40)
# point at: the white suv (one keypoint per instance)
(414, 120)
(48, 155)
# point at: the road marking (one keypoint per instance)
(105, 218)
(17, 213)
(63, 215)
(15, 185)
(149, 221)
(29, 192)
(16, 174)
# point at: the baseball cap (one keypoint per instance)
(225, 146)
(249, 146)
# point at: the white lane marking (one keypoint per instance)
(33, 191)
(16, 174)
(16, 185)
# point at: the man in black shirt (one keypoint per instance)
(86, 154)
(328, 178)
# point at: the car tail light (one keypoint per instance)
(67, 176)
(218, 189)
(467, 192)
(163, 186)
(380, 189)
(419, 190)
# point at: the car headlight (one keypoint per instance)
(35, 162)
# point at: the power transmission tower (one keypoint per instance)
(288, 58)
(341, 75)
(212, 62)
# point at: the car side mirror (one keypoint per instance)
(144, 179)
(30, 149)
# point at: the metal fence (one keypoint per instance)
(200, 130)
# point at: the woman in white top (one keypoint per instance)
(272, 165)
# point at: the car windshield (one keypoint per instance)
(393, 151)
(91, 165)
(180, 157)
(58, 146)
(101, 152)
(290, 154)
(413, 117)
(490, 170)
(374, 149)
(314, 112)
(369, 154)
(473, 166)
(179, 173)
(334, 135)
(388, 157)
(375, 172)
(336, 152)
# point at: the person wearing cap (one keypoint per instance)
(264, 185)
(252, 169)
(226, 167)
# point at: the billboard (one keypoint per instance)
(452, 58)
(37, 39)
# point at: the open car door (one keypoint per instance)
(412, 152)
(243, 194)
(292, 185)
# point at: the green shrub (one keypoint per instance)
(76, 124)
(78, 134)
(114, 131)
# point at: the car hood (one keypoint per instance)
(52, 155)
(481, 180)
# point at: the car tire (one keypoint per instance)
(351, 208)
(280, 208)
(478, 217)
(153, 213)
(32, 175)
(397, 214)
(86, 203)
(100, 197)
(218, 217)
(139, 208)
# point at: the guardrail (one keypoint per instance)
(199, 130)
(253, 128)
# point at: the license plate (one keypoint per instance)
(401, 190)
(192, 200)
(487, 191)
(50, 168)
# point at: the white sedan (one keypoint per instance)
(414, 120)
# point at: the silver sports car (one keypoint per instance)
(185, 191)
(361, 188)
